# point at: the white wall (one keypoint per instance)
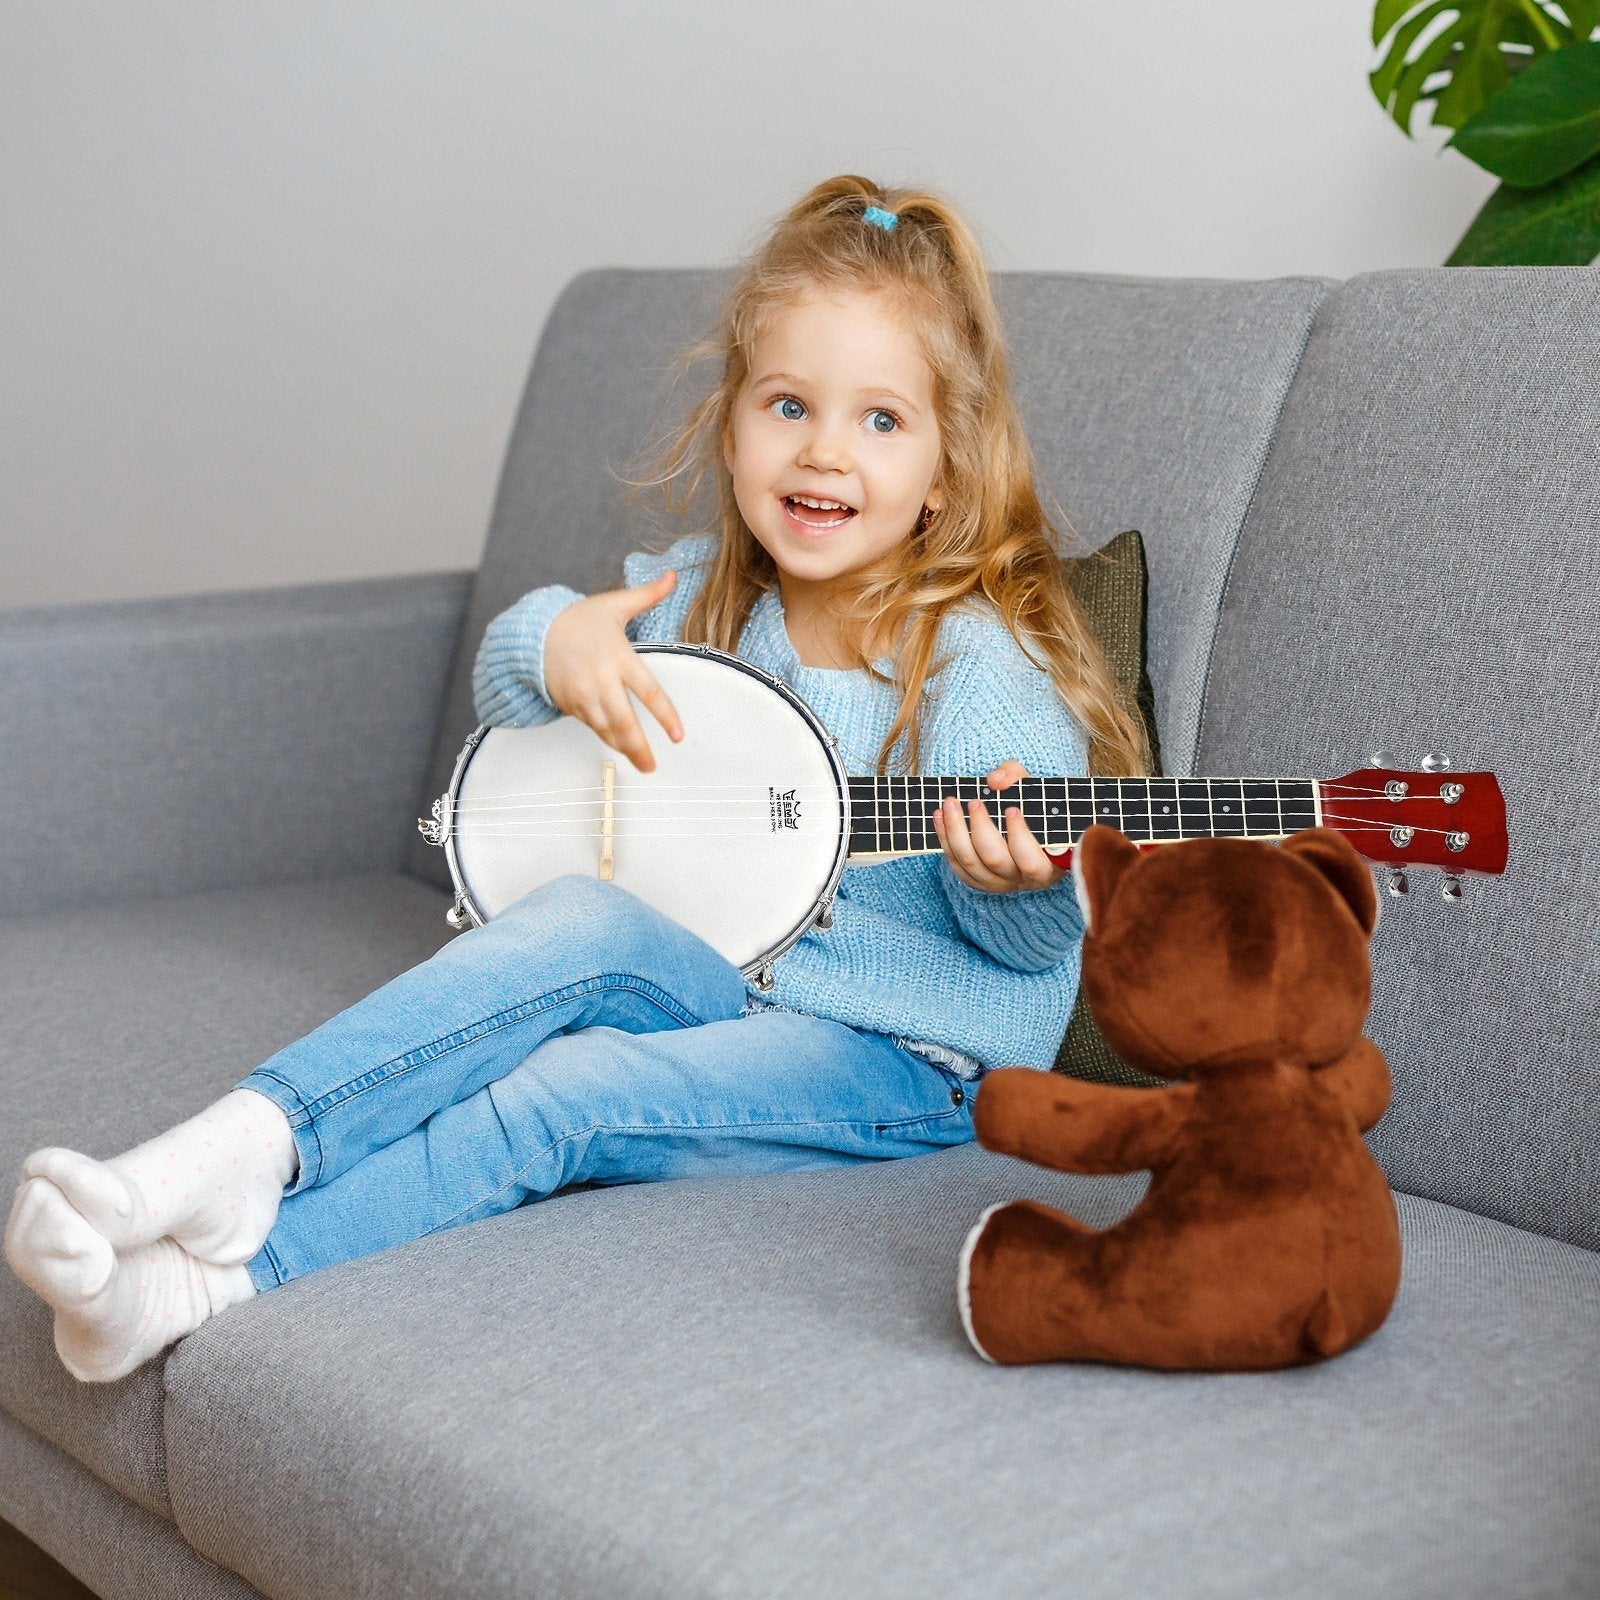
(271, 276)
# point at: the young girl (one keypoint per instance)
(881, 547)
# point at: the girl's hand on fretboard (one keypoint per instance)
(984, 858)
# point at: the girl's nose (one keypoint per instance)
(824, 446)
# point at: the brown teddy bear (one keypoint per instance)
(1268, 1236)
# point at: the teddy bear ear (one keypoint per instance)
(1101, 857)
(1335, 858)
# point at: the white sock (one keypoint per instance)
(154, 1296)
(212, 1183)
(52, 1248)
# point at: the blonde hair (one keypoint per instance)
(990, 537)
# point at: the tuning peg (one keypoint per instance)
(1451, 888)
(1436, 763)
(1399, 883)
(1380, 758)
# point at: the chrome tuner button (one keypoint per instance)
(1451, 888)
(1436, 763)
(1399, 883)
(1380, 758)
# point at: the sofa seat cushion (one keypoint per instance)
(760, 1386)
(117, 1022)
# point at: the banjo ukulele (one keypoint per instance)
(743, 831)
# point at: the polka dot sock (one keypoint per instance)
(213, 1183)
(155, 1295)
(52, 1249)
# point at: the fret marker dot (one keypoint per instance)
(1225, 808)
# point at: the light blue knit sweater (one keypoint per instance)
(913, 951)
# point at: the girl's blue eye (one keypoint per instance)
(894, 421)
(785, 401)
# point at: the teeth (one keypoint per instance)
(820, 505)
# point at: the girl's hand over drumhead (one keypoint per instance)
(590, 665)
(984, 858)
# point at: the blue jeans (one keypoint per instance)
(581, 1036)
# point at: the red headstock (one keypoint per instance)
(1454, 820)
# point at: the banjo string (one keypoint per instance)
(517, 801)
(542, 828)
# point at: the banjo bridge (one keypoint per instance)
(608, 773)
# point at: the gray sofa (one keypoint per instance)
(1372, 510)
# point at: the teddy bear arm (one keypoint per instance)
(1073, 1126)
(1360, 1077)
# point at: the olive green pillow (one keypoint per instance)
(1113, 588)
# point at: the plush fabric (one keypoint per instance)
(1268, 1236)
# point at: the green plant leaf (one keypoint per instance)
(1584, 15)
(1412, 81)
(1385, 14)
(1393, 64)
(1490, 41)
(1557, 225)
(1544, 123)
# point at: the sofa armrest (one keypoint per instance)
(164, 747)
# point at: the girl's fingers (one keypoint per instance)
(950, 824)
(639, 679)
(1026, 851)
(620, 729)
(1006, 774)
(642, 596)
(990, 844)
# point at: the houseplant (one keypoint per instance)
(1518, 82)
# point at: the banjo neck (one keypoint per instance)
(892, 816)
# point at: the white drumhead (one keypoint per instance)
(736, 834)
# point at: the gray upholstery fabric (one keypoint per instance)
(119, 1551)
(760, 1386)
(747, 1387)
(167, 746)
(117, 1022)
(1420, 572)
(1148, 402)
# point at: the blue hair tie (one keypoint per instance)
(886, 220)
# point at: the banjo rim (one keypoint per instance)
(467, 902)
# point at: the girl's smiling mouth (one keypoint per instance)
(813, 515)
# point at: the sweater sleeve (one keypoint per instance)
(997, 706)
(508, 688)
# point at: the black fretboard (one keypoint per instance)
(894, 816)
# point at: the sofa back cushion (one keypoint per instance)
(1149, 403)
(1420, 573)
